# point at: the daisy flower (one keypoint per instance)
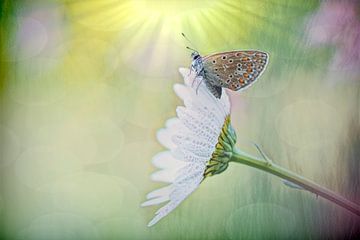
(200, 143)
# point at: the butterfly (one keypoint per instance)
(235, 70)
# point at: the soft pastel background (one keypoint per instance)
(86, 84)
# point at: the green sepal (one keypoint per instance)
(222, 154)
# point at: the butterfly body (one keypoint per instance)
(235, 70)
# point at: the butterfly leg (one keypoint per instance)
(192, 84)
(197, 87)
(196, 75)
(267, 160)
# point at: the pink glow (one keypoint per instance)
(337, 23)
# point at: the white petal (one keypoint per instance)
(178, 154)
(203, 105)
(172, 122)
(165, 210)
(166, 160)
(164, 138)
(203, 120)
(167, 175)
(197, 146)
(164, 135)
(182, 192)
(155, 201)
(188, 156)
(208, 100)
(165, 191)
(184, 72)
(189, 174)
(182, 91)
(188, 76)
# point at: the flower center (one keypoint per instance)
(220, 158)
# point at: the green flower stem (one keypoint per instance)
(243, 158)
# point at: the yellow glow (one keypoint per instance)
(149, 32)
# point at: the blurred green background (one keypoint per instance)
(86, 84)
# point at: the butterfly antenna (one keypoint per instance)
(183, 34)
(191, 49)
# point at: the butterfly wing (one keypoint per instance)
(236, 69)
(215, 90)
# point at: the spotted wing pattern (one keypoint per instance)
(234, 70)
